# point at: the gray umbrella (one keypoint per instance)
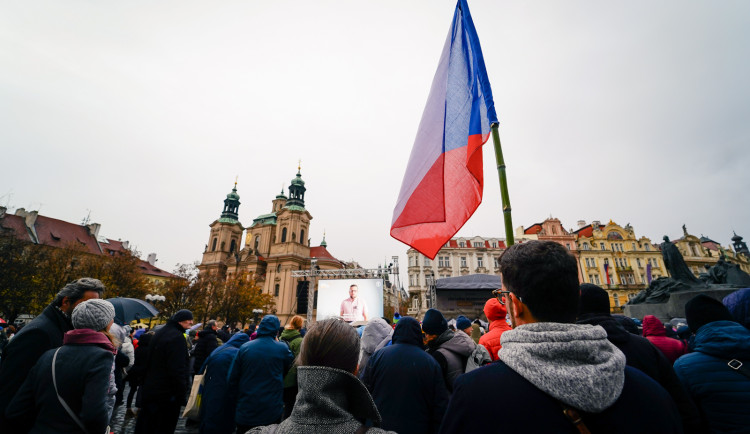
(130, 309)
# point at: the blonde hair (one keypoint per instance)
(295, 323)
(115, 342)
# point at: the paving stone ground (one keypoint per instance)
(124, 423)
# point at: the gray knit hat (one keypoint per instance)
(94, 314)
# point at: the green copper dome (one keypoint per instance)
(298, 180)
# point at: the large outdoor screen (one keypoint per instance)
(350, 299)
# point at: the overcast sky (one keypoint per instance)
(142, 113)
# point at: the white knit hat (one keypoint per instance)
(93, 314)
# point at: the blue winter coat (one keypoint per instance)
(257, 374)
(721, 393)
(407, 383)
(738, 304)
(217, 404)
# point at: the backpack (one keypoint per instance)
(479, 357)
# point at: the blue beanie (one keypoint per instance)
(434, 322)
(462, 323)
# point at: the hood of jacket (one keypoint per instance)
(738, 304)
(494, 310)
(269, 326)
(724, 339)
(329, 396)
(461, 344)
(408, 331)
(375, 333)
(573, 363)
(653, 327)
(237, 340)
(88, 337)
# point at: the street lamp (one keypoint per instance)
(153, 299)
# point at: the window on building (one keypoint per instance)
(412, 280)
(223, 244)
(593, 262)
(302, 237)
(276, 290)
(427, 261)
(631, 280)
(616, 299)
(656, 262)
(497, 262)
(213, 245)
(596, 279)
(567, 245)
(257, 243)
(294, 237)
(602, 245)
(480, 262)
(283, 235)
(461, 244)
(478, 244)
(232, 245)
(585, 246)
(643, 280)
(463, 261)
(278, 268)
(444, 261)
(412, 261)
(634, 247)
(494, 245)
(648, 248)
(638, 261)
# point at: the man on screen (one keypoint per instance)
(354, 308)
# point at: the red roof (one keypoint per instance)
(17, 225)
(533, 229)
(453, 243)
(320, 252)
(153, 270)
(57, 233)
(112, 246)
(586, 231)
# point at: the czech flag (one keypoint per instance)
(443, 183)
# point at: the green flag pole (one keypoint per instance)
(503, 186)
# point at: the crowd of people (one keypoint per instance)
(551, 358)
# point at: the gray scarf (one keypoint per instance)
(573, 363)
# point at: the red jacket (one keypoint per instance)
(495, 313)
(654, 331)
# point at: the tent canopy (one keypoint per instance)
(470, 281)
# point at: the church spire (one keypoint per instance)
(297, 190)
(323, 243)
(231, 206)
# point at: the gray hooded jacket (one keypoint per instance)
(456, 351)
(376, 335)
(575, 364)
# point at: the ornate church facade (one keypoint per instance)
(276, 244)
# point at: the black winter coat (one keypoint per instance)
(407, 383)
(82, 374)
(207, 343)
(21, 354)
(137, 371)
(517, 406)
(167, 376)
(644, 356)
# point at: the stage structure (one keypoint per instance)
(314, 274)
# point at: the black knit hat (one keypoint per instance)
(702, 309)
(593, 300)
(434, 322)
(182, 315)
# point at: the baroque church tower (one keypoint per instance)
(225, 237)
(276, 244)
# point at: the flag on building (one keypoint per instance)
(648, 272)
(443, 183)
(606, 271)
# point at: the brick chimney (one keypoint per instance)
(581, 224)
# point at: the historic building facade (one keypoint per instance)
(458, 257)
(276, 244)
(551, 229)
(703, 252)
(612, 257)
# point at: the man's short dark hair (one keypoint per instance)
(76, 289)
(544, 275)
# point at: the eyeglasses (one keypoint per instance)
(500, 293)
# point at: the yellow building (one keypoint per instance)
(702, 252)
(275, 245)
(613, 257)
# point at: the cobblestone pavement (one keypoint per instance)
(123, 422)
